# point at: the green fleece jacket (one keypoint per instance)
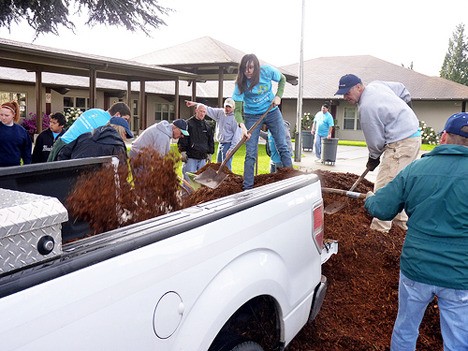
(434, 193)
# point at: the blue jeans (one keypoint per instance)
(275, 123)
(318, 145)
(192, 165)
(413, 298)
(223, 148)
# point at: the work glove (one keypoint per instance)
(208, 157)
(372, 163)
(277, 100)
(183, 156)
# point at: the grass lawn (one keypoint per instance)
(263, 160)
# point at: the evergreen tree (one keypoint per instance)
(455, 66)
(46, 15)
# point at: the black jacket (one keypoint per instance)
(102, 141)
(200, 143)
(43, 145)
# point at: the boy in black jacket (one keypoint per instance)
(46, 139)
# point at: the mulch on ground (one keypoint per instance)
(362, 298)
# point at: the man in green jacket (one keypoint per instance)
(434, 261)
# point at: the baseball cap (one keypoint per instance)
(119, 121)
(346, 83)
(456, 122)
(229, 102)
(182, 125)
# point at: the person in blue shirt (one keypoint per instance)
(434, 260)
(322, 128)
(253, 95)
(15, 143)
(87, 122)
(272, 151)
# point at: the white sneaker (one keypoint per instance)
(318, 160)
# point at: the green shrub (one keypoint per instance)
(428, 135)
(71, 114)
(306, 121)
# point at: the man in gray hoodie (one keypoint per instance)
(390, 127)
(158, 136)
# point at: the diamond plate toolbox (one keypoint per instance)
(30, 229)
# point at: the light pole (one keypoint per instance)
(297, 144)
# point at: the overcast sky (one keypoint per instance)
(398, 31)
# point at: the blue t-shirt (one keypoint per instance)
(257, 100)
(86, 122)
(323, 122)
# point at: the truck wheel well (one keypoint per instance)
(257, 320)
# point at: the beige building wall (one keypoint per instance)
(433, 113)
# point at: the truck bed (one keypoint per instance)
(172, 282)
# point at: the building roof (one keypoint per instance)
(203, 56)
(321, 77)
(33, 57)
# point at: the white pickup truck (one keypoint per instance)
(239, 273)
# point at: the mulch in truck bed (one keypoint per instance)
(362, 298)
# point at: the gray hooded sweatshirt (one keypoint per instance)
(158, 136)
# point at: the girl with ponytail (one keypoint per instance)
(15, 143)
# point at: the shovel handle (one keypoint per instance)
(361, 177)
(244, 139)
(348, 193)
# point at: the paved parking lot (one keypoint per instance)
(350, 159)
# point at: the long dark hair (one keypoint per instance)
(241, 79)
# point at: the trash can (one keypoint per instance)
(307, 140)
(329, 148)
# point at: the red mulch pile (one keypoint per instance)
(362, 297)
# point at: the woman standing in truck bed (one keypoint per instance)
(253, 96)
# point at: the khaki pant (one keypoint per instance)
(396, 156)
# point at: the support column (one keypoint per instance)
(177, 99)
(92, 88)
(220, 87)
(39, 101)
(142, 106)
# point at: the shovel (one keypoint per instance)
(211, 178)
(338, 205)
(347, 193)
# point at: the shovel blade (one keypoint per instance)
(334, 207)
(210, 178)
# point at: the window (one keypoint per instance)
(76, 102)
(19, 97)
(164, 112)
(351, 119)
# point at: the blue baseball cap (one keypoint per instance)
(456, 122)
(182, 125)
(346, 83)
(119, 121)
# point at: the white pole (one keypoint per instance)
(297, 146)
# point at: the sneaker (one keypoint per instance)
(318, 160)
